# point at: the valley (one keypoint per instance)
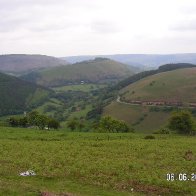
(97, 98)
(98, 128)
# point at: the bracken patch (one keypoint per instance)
(189, 156)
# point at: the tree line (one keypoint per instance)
(181, 122)
(34, 119)
(105, 124)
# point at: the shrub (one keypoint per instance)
(149, 137)
(108, 124)
(162, 131)
(182, 122)
(76, 124)
(52, 123)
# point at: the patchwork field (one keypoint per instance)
(94, 163)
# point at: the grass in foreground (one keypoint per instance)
(93, 163)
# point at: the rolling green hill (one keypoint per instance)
(177, 86)
(21, 63)
(17, 95)
(144, 74)
(100, 70)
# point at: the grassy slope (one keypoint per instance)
(174, 85)
(17, 95)
(132, 114)
(91, 71)
(82, 164)
(178, 85)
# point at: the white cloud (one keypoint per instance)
(185, 25)
(72, 27)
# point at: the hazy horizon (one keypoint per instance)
(97, 55)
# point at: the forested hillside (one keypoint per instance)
(17, 95)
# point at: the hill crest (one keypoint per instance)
(99, 70)
(171, 86)
(21, 63)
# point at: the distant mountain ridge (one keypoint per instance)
(141, 60)
(19, 63)
(99, 70)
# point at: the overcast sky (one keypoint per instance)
(81, 27)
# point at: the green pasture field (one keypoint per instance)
(94, 163)
(79, 87)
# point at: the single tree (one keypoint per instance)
(72, 124)
(182, 122)
(108, 124)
